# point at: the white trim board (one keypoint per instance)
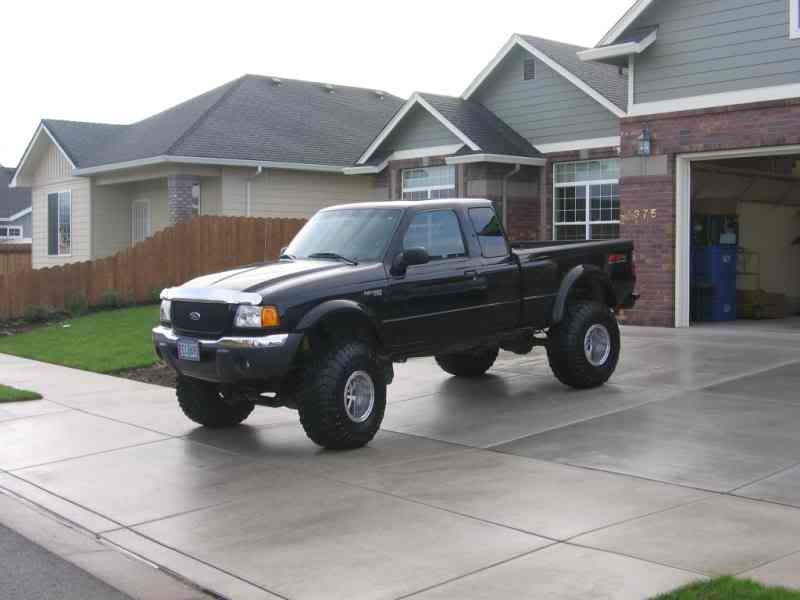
(766, 94)
(496, 158)
(572, 146)
(517, 40)
(683, 216)
(404, 155)
(16, 216)
(626, 21)
(416, 99)
(37, 133)
(794, 19)
(617, 50)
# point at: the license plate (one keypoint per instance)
(189, 350)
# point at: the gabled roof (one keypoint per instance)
(251, 119)
(633, 13)
(604, 83)
(480, 130)
(14, 202)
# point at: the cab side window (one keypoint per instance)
(490, 234)
(438, 232)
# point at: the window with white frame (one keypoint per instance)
(429, 183)
(59, 224)
(10, 233)
(794, 19)
(586, 200)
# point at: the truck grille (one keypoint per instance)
(202, 318)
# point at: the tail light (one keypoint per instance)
(617, 259)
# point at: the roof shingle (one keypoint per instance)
(252, 118)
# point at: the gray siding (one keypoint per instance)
(546, 110)
(419, 129)
(713, 46)
(25, 222)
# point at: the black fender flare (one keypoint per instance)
(340, 306)
(573, 277)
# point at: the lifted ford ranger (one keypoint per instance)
(362, 286)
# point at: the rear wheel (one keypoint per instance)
(203, 403)
(468, 364)
(342, 396)
(584, 348)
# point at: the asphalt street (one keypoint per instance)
(30, 572)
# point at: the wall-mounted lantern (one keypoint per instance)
(645, 142)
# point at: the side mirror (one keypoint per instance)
(409, 258)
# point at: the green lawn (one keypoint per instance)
(10, 394)
(729, 588)
(103, 342)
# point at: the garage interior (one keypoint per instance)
(745, 242)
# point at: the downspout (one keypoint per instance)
(247, 207)
(506, 178)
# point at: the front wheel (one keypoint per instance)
(203, 403)
(342, 397)
(468, 364)
(584, 348)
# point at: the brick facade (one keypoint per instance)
(649, 202)
(179, 197)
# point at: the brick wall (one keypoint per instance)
(648, 202)
(179, 197)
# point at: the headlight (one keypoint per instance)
(256, 317)
(166, 311)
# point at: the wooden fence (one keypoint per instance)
(171, 257)
(15, 258)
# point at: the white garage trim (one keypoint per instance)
(683, 217)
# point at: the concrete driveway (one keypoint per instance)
(687, 465)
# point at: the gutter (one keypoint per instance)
(506, 179)
(194, 160)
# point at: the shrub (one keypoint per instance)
(111, 299)
(77, 304)
(155, 295)
(40, 313)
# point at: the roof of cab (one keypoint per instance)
(420, 204)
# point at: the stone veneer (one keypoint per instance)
(179, 197)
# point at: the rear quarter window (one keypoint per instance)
(490, 234)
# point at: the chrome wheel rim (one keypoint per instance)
(359, 396)
(597, 345)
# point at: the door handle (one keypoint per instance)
(471, 274)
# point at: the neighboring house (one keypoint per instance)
(257, 146)
(15, 211)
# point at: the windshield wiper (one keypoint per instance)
(333, 255)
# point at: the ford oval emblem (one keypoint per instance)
(194, 316)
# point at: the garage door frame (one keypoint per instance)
(683, 216)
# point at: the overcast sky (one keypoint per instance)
(118, 62)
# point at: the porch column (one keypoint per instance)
(179, 197)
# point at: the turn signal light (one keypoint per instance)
(269, 317)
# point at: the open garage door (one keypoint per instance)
(742, 247)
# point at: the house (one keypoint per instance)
(712, 131)
(15, 211)
(680, 128)
(257, 146)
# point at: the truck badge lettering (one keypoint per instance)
(373, 293)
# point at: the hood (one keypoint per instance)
(268, 277)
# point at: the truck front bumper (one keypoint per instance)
(231, 359)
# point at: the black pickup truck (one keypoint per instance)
(365, 285)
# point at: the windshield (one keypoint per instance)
(359, 234)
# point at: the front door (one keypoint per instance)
(140, 221)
